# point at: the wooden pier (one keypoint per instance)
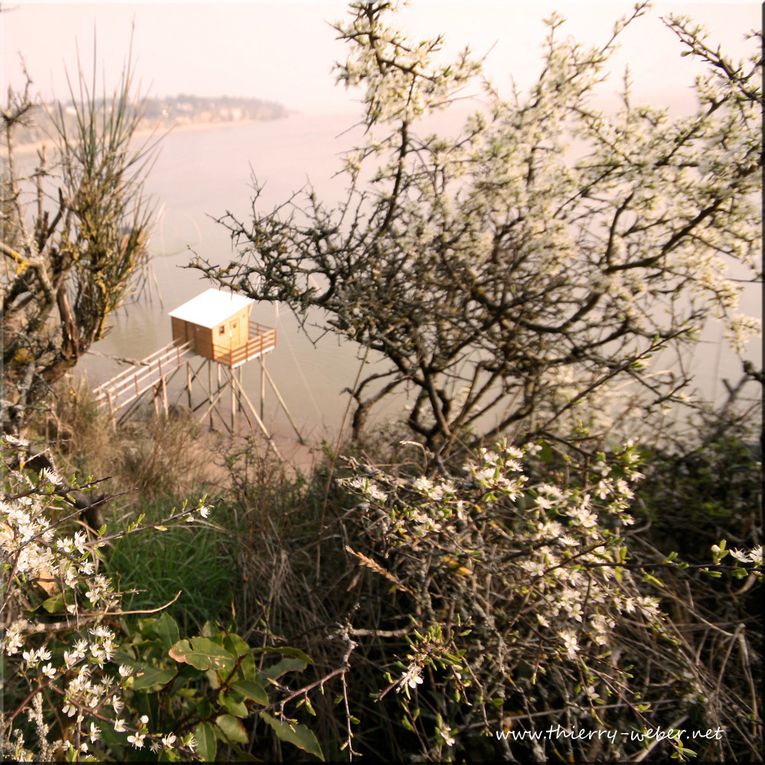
(216, 328)
(151, 373)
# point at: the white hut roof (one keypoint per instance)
(211, 307)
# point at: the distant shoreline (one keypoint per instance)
(158, 132)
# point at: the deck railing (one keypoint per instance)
(128, 385)
(262, 340)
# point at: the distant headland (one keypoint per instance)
(159, 114)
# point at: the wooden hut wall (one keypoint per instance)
(203, 341)
(209, 342)
(180, 331)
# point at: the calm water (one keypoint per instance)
(202, 173)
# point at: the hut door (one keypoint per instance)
(234, 334)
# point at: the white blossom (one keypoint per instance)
(570, 643)
(412, 677)
(136, 739)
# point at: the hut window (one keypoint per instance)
(221, 329)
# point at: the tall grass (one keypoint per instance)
(152, 464)
(196, 561)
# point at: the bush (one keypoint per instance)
(528, 605)
(86, 684)
(511, 595)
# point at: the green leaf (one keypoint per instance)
(234, 705)
(295, 734)
(252, 690)
(213, 679)
(209, 630)
(232, 729)
(650, 579)
(202, 653)
(295, 653)
(236, 645)
(207, 746)
(239, 648)
(167, 631)
(54, 604)
(285, 665)
(149, 679)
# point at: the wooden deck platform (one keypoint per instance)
(155, 370)
(262, 340)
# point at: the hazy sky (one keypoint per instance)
(284, 50)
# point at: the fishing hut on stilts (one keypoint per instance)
(215, 327)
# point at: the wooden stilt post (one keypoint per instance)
(191, 376)
(188, 382)
(165, 407)
(262, 384)
(242, 407)
(209, 391)
(260, 422)
(283, 404)
(163, 389)
(212, 406)
(232, 378)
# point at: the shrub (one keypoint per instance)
(81, 690)
(512, 604)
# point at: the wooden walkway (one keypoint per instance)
(151, 372)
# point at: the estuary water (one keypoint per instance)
(203, 172)
(200, 174)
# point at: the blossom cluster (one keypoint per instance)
(50, 565)
(550, 553)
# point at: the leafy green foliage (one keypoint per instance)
(202, 653)
(213, 683)
(294, 733)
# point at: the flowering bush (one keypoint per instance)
(540, 243)
(81, 690)
(527, 606)
(52, 574)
